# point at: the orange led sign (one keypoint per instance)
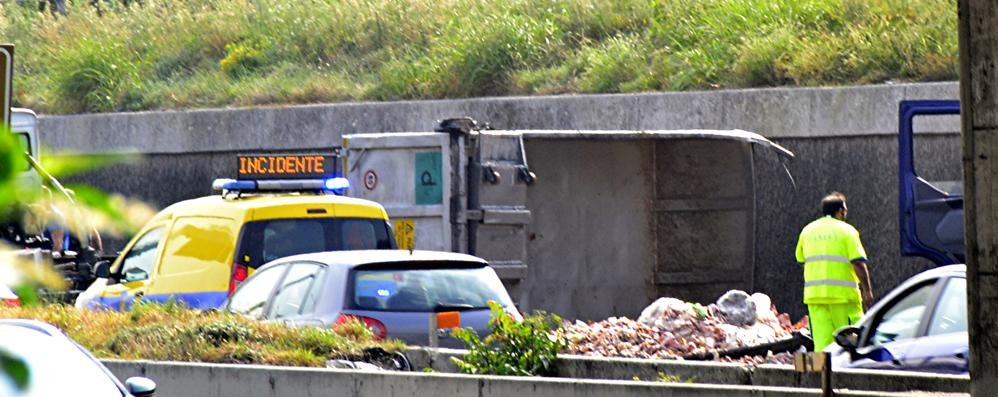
(292, 166)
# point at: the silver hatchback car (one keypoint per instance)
(394, 292)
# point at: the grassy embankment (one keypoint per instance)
(209, 53)
(171, 333)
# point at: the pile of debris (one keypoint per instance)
(672, 329)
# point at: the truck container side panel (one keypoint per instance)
(590, 239)
(704, 208)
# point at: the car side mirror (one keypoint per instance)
(103, 269)
(848, 338)
(140, 386)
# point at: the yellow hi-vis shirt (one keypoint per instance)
(827, 248)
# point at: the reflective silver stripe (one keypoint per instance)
(840, 283)
(831, 258)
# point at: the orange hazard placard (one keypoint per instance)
(446, 320)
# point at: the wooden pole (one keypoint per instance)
(826, 374)
(979, 125)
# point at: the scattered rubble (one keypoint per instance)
(672, 329)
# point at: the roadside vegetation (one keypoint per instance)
(527, 348)
(169, 54)
(169, 332)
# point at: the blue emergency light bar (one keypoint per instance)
(335, 185)
(338, 183)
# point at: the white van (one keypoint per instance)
(24, 125)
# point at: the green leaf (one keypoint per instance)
(15, 368)
(12, 163)
(27, 294)
(100, 201)
(65, 164)
(701, 311)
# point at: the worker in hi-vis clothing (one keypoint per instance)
(836, 280)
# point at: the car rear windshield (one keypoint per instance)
(426, 290)
(264, 241)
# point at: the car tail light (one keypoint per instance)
(239, 273)
(380, 331)
(12, 302)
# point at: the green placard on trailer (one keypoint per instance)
(429, 178)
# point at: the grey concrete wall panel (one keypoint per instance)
(225, 380)
(865, 169)
(844, 139)
(763, 375)
(212, 380)
(708, 372)
(856, 379)
(774, 112)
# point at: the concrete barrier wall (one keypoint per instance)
(220, 380)
(708, 372)
(844, 139)
(775, 113)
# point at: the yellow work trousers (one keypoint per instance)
(826, 319)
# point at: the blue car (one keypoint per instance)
(919, 326)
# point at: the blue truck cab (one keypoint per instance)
(931, 218)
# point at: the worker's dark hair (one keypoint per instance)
(832, 203)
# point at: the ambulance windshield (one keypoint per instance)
(264, 241)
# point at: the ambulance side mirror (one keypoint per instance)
(103, 269)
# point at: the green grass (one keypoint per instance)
(171, 333)
(170, 54)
